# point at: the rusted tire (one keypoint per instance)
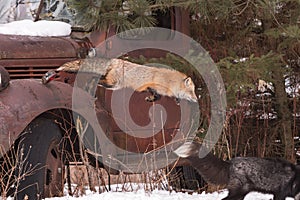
(193, 180)
(40, 167)
(186, 178)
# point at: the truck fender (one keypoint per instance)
(24, 100)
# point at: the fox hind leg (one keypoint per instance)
(154, 95)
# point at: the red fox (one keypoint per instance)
(119, 74)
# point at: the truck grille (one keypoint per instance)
(32, 68)
(27, 72)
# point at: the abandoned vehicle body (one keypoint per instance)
(40, 130)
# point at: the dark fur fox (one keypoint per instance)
(242, 175)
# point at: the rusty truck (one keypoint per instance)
(39, 124)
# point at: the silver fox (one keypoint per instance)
(242, 175)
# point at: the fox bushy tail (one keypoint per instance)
(212, 169)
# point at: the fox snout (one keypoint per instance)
(193, 97)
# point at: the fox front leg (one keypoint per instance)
(177, 100)
(154, 95)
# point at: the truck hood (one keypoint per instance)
(22, 47)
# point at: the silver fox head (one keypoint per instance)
(187, 149)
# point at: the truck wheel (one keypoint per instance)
(186, 178)
(40, 167)
(193, 181)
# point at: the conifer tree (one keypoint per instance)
(258, 40)
(100, 14)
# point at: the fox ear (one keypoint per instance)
(188, 82)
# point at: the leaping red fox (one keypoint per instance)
(119, 74)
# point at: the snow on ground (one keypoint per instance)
(39, 28)
(141, 194)
(161, 195)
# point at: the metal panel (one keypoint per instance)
(139, 114)
(31, 57)
(24, 100)
(22, 47)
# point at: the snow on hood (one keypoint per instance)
(39, 28)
